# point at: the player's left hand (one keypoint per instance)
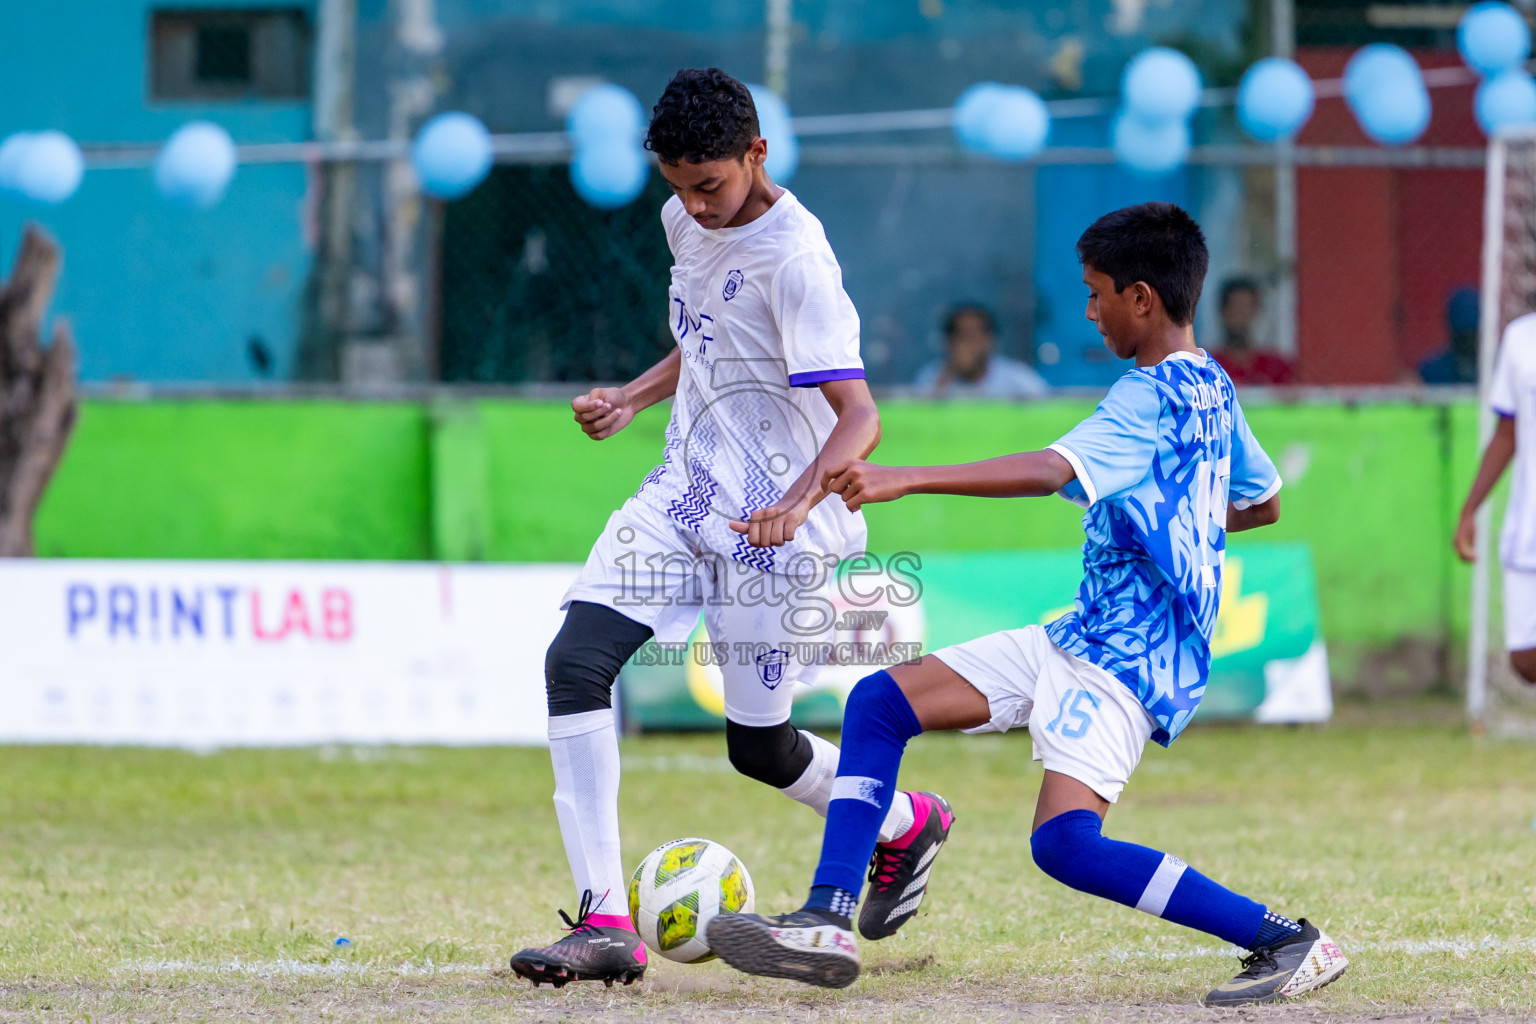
(1465, 540)
(773, 526)
(863, 483)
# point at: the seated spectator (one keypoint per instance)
(1457, 362)
(971, 369)
(1238, 354)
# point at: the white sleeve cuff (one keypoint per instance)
(1077, 467)
(1269, 492)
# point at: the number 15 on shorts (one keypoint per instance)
(1076, 707)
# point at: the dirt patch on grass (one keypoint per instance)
(679, 998)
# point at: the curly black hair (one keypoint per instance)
(704, 114)
(1153, 242)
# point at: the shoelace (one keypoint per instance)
(883, 868)
(583, 912)
(1255, 963)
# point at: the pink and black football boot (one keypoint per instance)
(599, 947)
(898, 872)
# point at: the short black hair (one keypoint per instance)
(1153, 242)
(976, 309)
(704, 114)
(1232, 285)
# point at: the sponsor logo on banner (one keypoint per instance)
(152, 612)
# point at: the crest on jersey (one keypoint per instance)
(733, 282)
(770, 667)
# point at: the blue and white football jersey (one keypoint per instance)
(1156, 465)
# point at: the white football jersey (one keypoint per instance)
(1513, 396)
(761, 318)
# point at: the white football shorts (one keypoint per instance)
(645, 566)
(1519, 609)
(1083, 722)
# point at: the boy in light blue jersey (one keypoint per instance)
(1166, 467)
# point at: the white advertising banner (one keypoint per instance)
(207, 654)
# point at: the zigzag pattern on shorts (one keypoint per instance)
(758, 489)
(667, 451)
(757, 558)
(694, 505)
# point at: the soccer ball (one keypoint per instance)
(678, 888)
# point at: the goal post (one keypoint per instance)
(1508, 290)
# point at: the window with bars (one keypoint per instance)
(230, 54)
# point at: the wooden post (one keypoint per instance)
(37, 390)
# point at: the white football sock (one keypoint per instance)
(814, 789)
(585, 751)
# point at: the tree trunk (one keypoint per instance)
(37, 390)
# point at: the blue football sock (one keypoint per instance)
(1071, 849)
(877, 723)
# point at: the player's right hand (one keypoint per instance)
(1465, 540)
(603, 412)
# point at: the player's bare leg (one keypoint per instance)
(1524, 664)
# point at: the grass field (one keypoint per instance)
(159, 885)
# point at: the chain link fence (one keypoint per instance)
(536, 285)
(533, 285)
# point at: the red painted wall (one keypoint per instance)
(1379, 251)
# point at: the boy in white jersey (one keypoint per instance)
(768, 390)
(1166, 466)
(1513, 399)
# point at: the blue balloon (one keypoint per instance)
(1377, 64)
(973, 113)
(1017, 125)
(777, 129)
(1160, 84)
(1508, 98)
(196, 164)
(1150, 147)
(1008, 122)
(1274, 99)
(48, 167)
(610, 174)
(1493, 37)
(451, 155)
(11, 151)
(605, 113)
(1385, 89)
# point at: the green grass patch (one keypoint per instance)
(148, 884)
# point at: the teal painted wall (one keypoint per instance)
(155, 292)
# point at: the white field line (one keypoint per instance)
(1412, 947)
(302, 968)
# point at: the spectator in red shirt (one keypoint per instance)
(1244, 363)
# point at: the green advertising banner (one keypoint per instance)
(1269, 663)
